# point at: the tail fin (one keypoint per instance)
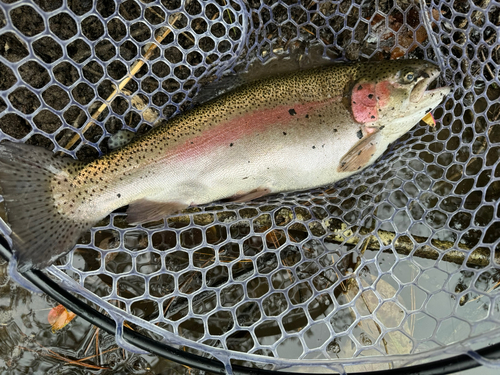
(28, 179)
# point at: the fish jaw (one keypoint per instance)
(421, 88)
(422, 100)
(429, 100)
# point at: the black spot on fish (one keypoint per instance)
(370, 96)
(360, 87)
(292, 112)
(372, 116)
(119, 195)
(314, 147)
(230, 145)
(335, 130)
(284, 133)
(244, 178)
(307, 116)
(382, 127)
(359, 153)
(359, 133)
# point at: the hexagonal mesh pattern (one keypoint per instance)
(399, 259)
(120, 66)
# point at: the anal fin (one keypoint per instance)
(250, 195)
(144, 210)
(360, 154)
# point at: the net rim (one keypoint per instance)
(226, 355)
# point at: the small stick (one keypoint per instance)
(487, 65)
(92, 356)
(54, 355)
(133, 71)
(93, 335)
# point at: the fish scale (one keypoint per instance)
(291, 132)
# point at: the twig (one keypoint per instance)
(57, 356)
(92, 339)
(402, 245)
(97, 347)
(497, 115)
(487, 292)
(341, 233)
(95, 355)
(487, 65)
(185, 283)
(136, 66)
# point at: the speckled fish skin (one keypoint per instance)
(291, 132)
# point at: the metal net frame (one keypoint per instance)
(396, 265)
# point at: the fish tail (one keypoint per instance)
(35, 186)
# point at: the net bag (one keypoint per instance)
(395, 266)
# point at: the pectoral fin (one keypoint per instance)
(144, 210)
(360, 154)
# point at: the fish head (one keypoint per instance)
(394, 95)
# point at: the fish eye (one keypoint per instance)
(408, 77)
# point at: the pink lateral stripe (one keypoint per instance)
(239, 127)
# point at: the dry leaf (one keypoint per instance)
(149, 114)
(429, 119)
(59, 317)
(407, 39)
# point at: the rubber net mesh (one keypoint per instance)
(401, 259)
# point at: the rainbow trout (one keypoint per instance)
(291, 132)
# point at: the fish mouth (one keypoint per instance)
(421, 89)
